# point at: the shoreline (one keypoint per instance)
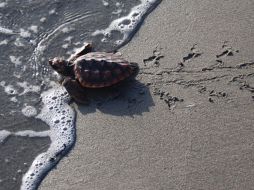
(186, 123)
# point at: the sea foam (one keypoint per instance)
(57, 113)
(3, 135)
(127, 24)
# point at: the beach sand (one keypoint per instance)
(187, 122)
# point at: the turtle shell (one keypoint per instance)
(100, 69)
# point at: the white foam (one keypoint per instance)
(118, 4)
(67, 29)
(24, 33)
(127, 24)
(43, 19)
(65, 46)
(4, 42)
(34, 28)
(3, 4)
(68, 39)
(30, 133)
(6, 31)
(14, 99)
(15, 60)
(117, 12)
(61, 118)
(29, 111)
(2, 83)
(52, 11)
(9, 89)
(18, 42)
(17, 75)
(33, 42)
(3, 135)
(105, 3)
(28, 88)
(26, 133)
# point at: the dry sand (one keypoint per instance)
(187, 123)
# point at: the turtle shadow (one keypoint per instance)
(129, 98)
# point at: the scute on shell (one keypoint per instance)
(99, 69)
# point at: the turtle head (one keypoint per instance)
(61, 66)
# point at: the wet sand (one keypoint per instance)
(187, 122)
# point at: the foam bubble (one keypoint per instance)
(43, 19)
(65, 46)
(117, 12)
(9, 89)
(26, 133)
(34, 28)
(61, 118)
(6, 31)
(3, 135)
(67, 29)
(18, 42)
(29, 111)
(127, 24)
(4, 42)
(3, 4)
(118, 4)
(14, 99)
(30, 133)
(24, 33)
(33, 42)
(105, 3)
(15, 60)
(28, 88)
(52, 11)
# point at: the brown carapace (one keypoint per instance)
(98, 69)
(86, 69)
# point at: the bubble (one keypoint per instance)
(105, 3)
(57, 121)
(14, 99)
(28, 88)
(3, 4)
(43, 19)
(9, 89)
(52, 11)
(24, 33)
(34, 28)
(4, 42)
(29, 111)
(19, 171)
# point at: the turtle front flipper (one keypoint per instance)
(86, 48)
(75, 90)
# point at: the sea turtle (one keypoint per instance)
(87, 69)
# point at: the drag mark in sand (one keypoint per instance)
(213, 80)
(57, 113)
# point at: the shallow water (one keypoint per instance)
(30, 33)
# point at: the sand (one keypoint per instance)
(187, 122)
